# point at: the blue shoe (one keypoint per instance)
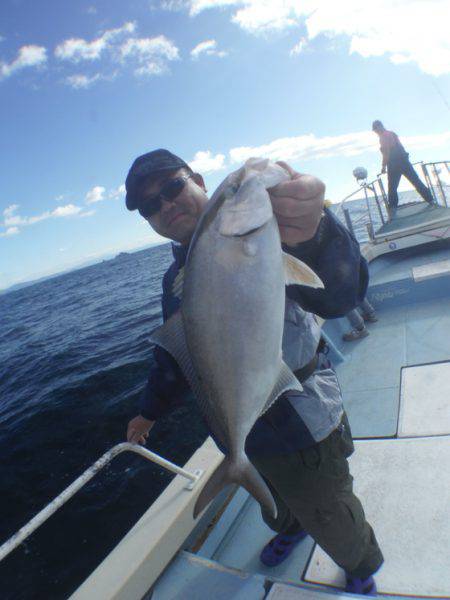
(279, 548)
(365, 587)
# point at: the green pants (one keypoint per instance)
(313, 490)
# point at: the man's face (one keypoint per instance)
(177, 218)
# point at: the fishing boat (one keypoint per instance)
(395, 384)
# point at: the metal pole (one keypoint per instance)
(428, 180)
(348, 220)
(57, 502)
(436, 174)
(371, 230)
(383, 193)
(378, 203)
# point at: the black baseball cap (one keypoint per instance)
(153, 163)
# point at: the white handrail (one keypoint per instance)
(57, 502)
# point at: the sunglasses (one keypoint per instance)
(169, 191)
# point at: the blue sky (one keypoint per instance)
(85, 87)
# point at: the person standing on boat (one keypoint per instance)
(396, 163)
(301, 444)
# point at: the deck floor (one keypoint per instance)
(370, 379)
(407, 505)
(409, 216)
(371, 374)
(424, 395)
(409, 342)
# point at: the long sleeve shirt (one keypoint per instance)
(391, 148)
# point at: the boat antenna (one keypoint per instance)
(439, 91)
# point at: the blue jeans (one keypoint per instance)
(354, 316)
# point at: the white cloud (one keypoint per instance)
(426, 141)
(78, 49)
(208, 47)
(298, 48)
(152, 54)
(96, 194)
(28, 56)
(117, 192)
(10, 231)
(88, 213)
(79, 82)
(404, 31)
(66, 211)
(9, 210)
(205, 162)
(267, 15)
(197, 6)
(11, 219)
(148, 56)
(309, 147)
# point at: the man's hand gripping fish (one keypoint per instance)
(227, 335)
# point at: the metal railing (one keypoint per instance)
(62, 498)
(378, 211)
(441, 186)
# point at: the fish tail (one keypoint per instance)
(243, 473)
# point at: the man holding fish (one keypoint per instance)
(240, 332)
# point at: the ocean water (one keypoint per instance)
(74, 358)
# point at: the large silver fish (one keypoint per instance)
(227, 335)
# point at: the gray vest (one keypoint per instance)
(320, 404)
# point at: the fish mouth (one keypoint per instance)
(249, 232)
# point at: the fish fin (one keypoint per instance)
(170, 336)
(298, 273)
(255, 485)
(177, 286)
(242, 473)
(286, 381)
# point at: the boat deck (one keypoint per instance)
(412, 217)
(396, 384)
